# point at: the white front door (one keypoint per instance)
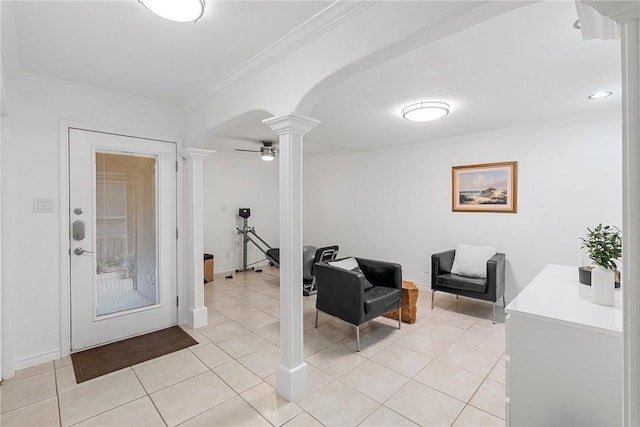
(122, 221)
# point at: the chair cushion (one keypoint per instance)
(471, 261)
(378, 297)
(462, 282)
(367, 284)
(345, 263)
(352, 265)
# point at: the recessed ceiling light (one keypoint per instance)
(425, 111)
(599, 95)
(176, 10)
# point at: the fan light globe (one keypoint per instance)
(176, 10)
(425, 111)
(267, 153)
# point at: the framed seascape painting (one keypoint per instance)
(489, 187)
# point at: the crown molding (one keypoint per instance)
(93, 90)
(320, 23)
(618, 10)
(610, 114)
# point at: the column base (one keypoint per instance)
(291, 384)
(198, 317)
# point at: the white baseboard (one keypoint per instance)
(423, 286)
(37, 359)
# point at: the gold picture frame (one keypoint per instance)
(487, 187)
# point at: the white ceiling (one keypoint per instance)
(522, 68)
(121, 46)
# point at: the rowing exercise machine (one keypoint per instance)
(272, 254)
(310, 254)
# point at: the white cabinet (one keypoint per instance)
(564, 355)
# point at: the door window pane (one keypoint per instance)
(126, 242)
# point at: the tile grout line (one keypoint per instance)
(258, 411)
(466, 330)
(458, 416)
(156, 408)
(110, 409)
(32, 403)
(186, 379)
(483, 381)
(339, 378)
(208, 409)
(55, 378)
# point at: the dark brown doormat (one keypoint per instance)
(101, 360)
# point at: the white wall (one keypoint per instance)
(230, 183)
(397, 205)
(32, 261)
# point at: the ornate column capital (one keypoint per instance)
(291, 123)
(196, 153)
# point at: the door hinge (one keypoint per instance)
(177, 301)
(176, 234)
(176, 166)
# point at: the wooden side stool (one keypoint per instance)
(409, 299)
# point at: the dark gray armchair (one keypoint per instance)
(489, 289)
(358, 296)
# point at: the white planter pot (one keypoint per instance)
(584, 291)
(602, 286)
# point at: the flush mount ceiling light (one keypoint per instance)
(267, 153)
(599, 95)
(425, 111)
(176, 10)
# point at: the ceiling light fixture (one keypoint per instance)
(600, 95)
(176, 10)
(425, 111)
(267, 153)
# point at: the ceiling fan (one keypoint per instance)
(267, 151)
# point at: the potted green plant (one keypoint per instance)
(604, 245)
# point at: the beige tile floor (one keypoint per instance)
(447, 369)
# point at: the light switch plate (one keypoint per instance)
(44, 206)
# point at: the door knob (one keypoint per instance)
(80, 251)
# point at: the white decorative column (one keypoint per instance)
(193, 237)
(631, 216)
(291, 372)
(627, 15)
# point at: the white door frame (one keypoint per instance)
(65, 258)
